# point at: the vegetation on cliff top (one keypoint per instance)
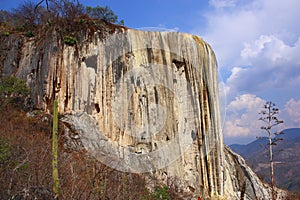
(64, 16)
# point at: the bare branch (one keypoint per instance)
(39, 3)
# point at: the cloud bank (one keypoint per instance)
(257, 44)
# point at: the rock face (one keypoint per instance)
(242, 183)
(140, 102)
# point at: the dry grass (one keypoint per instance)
(26, 163)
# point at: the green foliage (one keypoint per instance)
(12, 90)
(29, 34)
(161, 192)
(82, 21)
(5, 152)
(12, 86)
(103, 13)
(23, 167)
(49, 22)
(121, 22)
(6, 33)
(7, 160)
(69, 40)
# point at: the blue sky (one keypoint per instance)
(257, 44)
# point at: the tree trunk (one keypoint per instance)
(271, 153)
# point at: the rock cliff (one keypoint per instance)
(142, 102)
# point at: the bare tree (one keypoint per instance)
(4, 17)
(25, 16)
(269, 117)
(47, 3)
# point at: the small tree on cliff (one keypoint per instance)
(269, 117)
(12, 91)
(103, 13)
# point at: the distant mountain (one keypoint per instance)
(286, 158)
(251, 148)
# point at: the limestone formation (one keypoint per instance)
(241, 181)
(140, 102)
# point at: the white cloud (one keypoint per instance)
(222, 3)
(272, 49)
(247, 102)
(234, 23)
(252, 50)
(257, 44)
(291, 114)
(227, 33)
(272, 70)
(242, 116)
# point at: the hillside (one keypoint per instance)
(25, 164)
(286, 158)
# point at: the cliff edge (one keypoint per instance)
(141, 102)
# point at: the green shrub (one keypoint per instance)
(69, 40)
(161, 192)
(6, 33)
(121, 22)
(29, 34)
(5, 152)
(82, 21)
(49, 22)
(12, 90)
(12, 86)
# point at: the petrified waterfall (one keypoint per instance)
(140, 102)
